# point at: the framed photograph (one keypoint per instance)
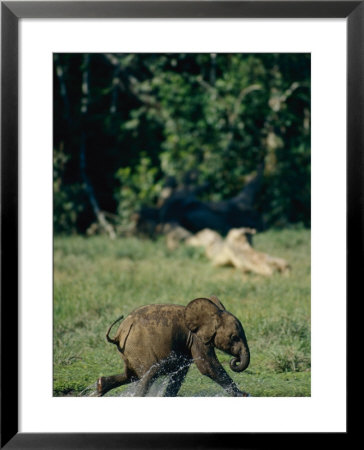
(178, 153)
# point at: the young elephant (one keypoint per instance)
(157, 340)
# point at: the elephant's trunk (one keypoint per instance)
(241, 362)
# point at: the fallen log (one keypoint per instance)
(237, 251)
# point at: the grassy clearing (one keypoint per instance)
(96, 280)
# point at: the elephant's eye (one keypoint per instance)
(234, 338)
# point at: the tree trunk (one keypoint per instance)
(104, 224)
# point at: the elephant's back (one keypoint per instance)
(159, 320)
(158, 315)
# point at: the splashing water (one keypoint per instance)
(129, 391)
(90, 391)
(157, 389)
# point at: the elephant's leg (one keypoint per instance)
(208, 364)
(147, 380)
(105, 384)
(176, 381)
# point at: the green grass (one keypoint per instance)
(96, 280)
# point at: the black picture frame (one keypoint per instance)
(11, 13)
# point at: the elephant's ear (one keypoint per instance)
(202, 317)
(217, 302)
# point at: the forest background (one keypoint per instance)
(125, 124)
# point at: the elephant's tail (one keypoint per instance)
(113, 341)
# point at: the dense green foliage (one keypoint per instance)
(96, 280)
(141, 118)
